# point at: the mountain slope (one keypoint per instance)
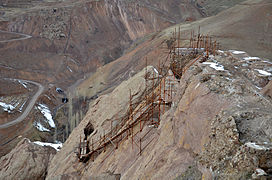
(205, 99)
(247, 26)
(59, 43)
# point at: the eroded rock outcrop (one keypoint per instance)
(110, 106)
(26, 161)
(217, 127)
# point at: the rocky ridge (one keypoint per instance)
(217, 124)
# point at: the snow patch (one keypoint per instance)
(69, 69)
(56, 146)
(21, 107)
(267, 62)
(73, 61)
(47, 114)
(245, 65)
(184, 49)
(237, 52)
(23, 83)
(197, 85)
(215, 66)
(156, 71)
(262, 72)
(16, 104)
(255, 146)
(228, 78)
(7, 107)
(260, 172)
(258, 87)
(47, 97)
(251, 58)
(40, 127)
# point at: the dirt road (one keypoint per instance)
(28, 108)
(24, 36)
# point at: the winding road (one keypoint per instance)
(37, 94)
(29, 106)
(25, 36)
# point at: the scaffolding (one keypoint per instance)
(157, 99)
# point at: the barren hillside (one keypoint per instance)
(117, 74)
(219, 121)
(58, 43)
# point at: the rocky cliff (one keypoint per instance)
(217, 126)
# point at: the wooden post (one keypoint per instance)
(140, 146)
(132, 136)
(207, 47)
(104, 139)
(164, 95)
(211, 43)
(152, 99)
(92, 149)
(214, 48)
(178, 41)
(140, 124)
(191, 40)
(111, 127)
(130, 106)
(146, 88)
(131, 116)
(159, 115)
(79, 147)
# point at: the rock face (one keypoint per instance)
(26, 161)
(107, 107)
(223, 26)
(217, 127)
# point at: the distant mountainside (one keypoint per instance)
(60, 43)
